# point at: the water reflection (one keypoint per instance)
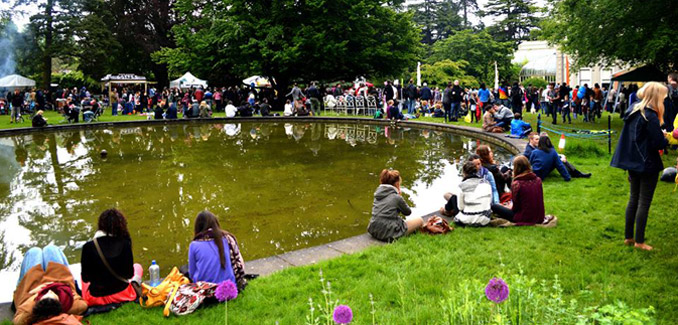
(278, 187)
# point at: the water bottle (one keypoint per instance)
(154, 272)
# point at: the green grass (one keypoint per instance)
(410, 278)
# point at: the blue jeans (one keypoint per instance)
(114, 109)
(36, 256)
(456, 106)
(410, 103)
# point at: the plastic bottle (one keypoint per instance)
(154, 272)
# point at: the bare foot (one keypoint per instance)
(629, 242)
(444, 212)
(643, 246)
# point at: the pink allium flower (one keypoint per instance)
(226, 290)
(497, 290)
(342, 314)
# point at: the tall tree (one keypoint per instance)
(438, 18)
(466, 6)
(610, 31)
(53, 29)
(515, 19)
(293, 40)
(479, 50)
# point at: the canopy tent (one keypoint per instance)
(188, 80)
(640, 74)
(258, 81)
(124, 78)
(16, 81)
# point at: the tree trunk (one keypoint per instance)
(47, 53)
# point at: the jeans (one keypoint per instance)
(640, 199)
(410, 103)
(36, 256)
(502, 211)
(448, 111)
(456, 106)
(566, 114)
(114, 109)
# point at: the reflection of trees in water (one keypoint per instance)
(7, 256)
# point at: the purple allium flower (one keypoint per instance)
(342, 314)
(497, 290)
(226, 290)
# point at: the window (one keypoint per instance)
(585, 76)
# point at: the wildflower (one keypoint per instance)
(497, 290)
(226, 290)
(342, 314)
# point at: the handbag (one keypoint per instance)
(436, 226)
(190, 296)
(163, 293)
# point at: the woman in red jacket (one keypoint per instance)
(527, 193)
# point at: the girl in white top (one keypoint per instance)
(288, 108)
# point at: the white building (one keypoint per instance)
(541, 60)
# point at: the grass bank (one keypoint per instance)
(412, 280)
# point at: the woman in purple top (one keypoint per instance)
(214, 255)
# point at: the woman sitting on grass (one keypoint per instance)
(527, 193)
(46, 289)
(545, 159)
(386, 223)
(214, 255)
(472, 205)
(109, 274)
(502, 176)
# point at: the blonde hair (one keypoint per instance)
(652, 96)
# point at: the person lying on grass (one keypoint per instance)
(386, 223)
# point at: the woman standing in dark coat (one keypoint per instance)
(638, 153)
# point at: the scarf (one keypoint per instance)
(63, 291)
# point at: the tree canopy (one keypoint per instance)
(291, 40)
(612, 31)
(516, 18)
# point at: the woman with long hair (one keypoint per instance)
(527, 207)
(638, 153)
(501, 177)
(545, 159)
(386, 223)
(214, 255)
(109, 274)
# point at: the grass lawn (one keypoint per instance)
(412, 280)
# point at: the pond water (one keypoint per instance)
(278, 187)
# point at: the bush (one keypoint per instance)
(75, 79)
(536, 82)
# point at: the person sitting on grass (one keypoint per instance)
(386, 223)
(109, 274)
(545, 159)
(46, 289)
(214, 255)
(485, 174)
(527, 206)
(533, 142)
(502, 175)
(205, 110)
(393, 112)
(438, 111)
(503, 115)
(39, 120)
(489, 124)
(471, 206)
(171, 113)
(158, 112)
(519, 128)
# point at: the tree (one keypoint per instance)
(515, 19)
(97, 51)
(465, 6)
(479, 50)
(609, 32)
(438, 18)
(292, 40)
(442, 72)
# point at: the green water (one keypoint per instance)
(277, 187)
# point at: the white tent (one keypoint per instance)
(258, 81)
(16, 81)
(188, 80)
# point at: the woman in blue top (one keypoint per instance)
(545, 159)
(214, 255)
(638, 153)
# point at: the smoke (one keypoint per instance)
(7, 59)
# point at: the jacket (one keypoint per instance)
(543, 163)
(426, 93)
(528, 200)
(118, 253)
(24, 299)
(518, 127)
(639, 143)
(411, 92)
(474, 202)
(386, 223)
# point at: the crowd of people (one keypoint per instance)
(512, 194)
(47, 293)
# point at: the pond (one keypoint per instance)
(278, 187)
